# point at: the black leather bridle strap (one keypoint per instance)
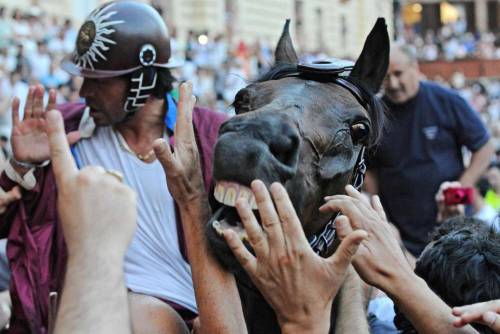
(332, 72)
(321, 243)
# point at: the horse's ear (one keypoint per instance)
(285, 52)
(372, 64)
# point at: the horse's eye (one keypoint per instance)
(359, 132)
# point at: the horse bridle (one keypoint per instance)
(332, 72)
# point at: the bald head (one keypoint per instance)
(402, 80)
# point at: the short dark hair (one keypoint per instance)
(461, 265)
(165, 83)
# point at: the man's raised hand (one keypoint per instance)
(183, 167)
(29, 139)
(380, 257)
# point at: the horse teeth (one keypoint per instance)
(220, 227)
(219, 192)
(229, 192)
(230, 197)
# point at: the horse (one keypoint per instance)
(306, 126)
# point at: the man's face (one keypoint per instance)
(106, 98)
(402, 79)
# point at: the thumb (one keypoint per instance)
(164, 154)
(347, 249)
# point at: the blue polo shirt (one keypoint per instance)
(422, 147)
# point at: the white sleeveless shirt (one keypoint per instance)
(153, 262)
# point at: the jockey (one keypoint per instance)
(122, 52)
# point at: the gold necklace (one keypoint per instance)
(124, 145)
(146, 156)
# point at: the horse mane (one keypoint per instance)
(376, 110)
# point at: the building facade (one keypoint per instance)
(479, 15)
(335, 27)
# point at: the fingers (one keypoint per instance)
(164, 154)
(492, 320)
(351, 191)
(244, 257)
(347, 249)
(484, 312)
(184, 123)
(62, 161)
(38, 102)
(28, 106)
(477, 307)
(51, 104)
(348, 206)
(343, 227)
(268, 216)
(255, 234)
(290, 223)
(15, 111)
(377, 206)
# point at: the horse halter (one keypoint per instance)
(335, 71)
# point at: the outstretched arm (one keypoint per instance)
(94, 298)
(219, 304)
(351, 310)
(380, 262)
(478, 164)
(298, 283)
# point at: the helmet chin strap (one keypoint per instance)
(142, 83)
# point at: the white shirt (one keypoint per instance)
(153, 263)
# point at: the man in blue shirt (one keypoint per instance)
(422, 147)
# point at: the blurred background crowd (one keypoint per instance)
(35, 37)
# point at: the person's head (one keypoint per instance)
(461, 265)
(403, 76)
(122, 51)
(482, 186)
(493, 175)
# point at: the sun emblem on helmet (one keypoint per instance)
(94, 37)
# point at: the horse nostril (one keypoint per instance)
(285, 148)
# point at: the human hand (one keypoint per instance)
(447, 211)
(29, 139)
(486, 313)
(182, 167)
(98, 212)
(299, 284)
(379, 259)
(7, 197)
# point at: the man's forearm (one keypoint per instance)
(351, 310)
(425, 310)
(94, 298)
(217, 296)
(478, 164)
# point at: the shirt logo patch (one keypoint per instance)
(430, 132)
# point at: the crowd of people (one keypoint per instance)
(406, 260)
(452, 41)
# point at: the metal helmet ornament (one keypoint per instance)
(122, 38)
